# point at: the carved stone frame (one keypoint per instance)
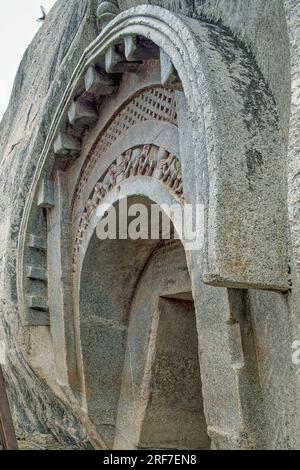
(235, 167)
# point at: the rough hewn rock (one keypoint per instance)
(38, 87)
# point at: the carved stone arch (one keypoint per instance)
(231, 158)
(141, 164)
(239, 156)
(106, 282)
(146, 187)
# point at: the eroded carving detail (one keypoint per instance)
(147, 160)
(106, 11)
(152, 104)
(170, 173)
(136, 162)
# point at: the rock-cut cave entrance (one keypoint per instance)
(139, 345)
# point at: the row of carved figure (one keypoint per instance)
(148, 160)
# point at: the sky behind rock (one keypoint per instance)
(18, 26)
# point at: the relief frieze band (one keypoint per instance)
(147, 160)
(153, 104)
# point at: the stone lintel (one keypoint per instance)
(217, 280)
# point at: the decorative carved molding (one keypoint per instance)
(97, 83)
(147, 160)
(153, 104)
(226, 142)
(194, 50)
(116, 62)
(102, 79)
(169, 75)
(106, 11)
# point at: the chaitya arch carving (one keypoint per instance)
(155, 103)
(203, 77)
(144, 161)
(198, 152)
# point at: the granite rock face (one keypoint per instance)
(38, 87)
(91, 329)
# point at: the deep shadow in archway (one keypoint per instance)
(139, 344)
(174, 417)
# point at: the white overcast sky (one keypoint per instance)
(18, 26)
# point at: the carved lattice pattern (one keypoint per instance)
(153, 104)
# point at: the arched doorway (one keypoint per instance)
(139, 344)
(112, 106)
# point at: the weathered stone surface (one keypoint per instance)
(106, 11)
(293, 18)
(260, 25)
(65, 144)
(36, 243)
(69, 27)
(97, 83)
(157, 408)
(137, 48)
(169, 76)
(108, 325)
(81, 114)
(46, 195)
(37, 273)
(115, 62)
